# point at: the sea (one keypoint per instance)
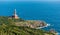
(34, 10)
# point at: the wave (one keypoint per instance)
(43, 26)
(58, 33)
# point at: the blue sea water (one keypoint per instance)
(46, 11)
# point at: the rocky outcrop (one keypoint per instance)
(31, 23)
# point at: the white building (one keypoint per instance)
(15, 15)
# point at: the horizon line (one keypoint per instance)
(27, 0)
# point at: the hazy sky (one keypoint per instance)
(29, 0)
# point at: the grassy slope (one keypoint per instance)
(7, 27)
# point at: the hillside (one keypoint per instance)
(8, 27)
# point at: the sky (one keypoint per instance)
(29, 0)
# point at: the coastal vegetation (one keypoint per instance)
(10, 27)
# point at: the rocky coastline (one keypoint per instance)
(32, 23)
(22, 27)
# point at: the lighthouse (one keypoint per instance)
(15, 16)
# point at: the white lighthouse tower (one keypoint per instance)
(15, 15)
